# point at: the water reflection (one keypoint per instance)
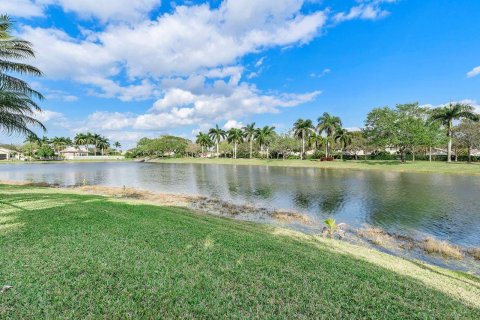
(445, 206)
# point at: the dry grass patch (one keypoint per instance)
(475, 253)
(289, 216)
(433, 246)
(377, 236)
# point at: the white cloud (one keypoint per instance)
(470, 102)
(103, 10)
(21, 8)
(321, 74)
(366, 10)
(52, 119)
(474, 72)
(232, 124)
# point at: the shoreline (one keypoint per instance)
(459, 168)
(428, 250)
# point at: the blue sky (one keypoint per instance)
(128, 69)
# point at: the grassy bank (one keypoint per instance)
(69, 255)
(396, 166)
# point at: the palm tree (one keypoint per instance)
(81, 139)
(203, 140)
(235, 136)
(102, 143)
(31, 139)
(446, 116)
(217, 134)
(117, 145)
(250, 133)
(328, 124)
(263, 136)
(302, 130)
(345, 138)
(94, 140)
(17, 108)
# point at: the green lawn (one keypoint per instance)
(81, 256)
(417, 166)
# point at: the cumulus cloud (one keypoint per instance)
(21, 8)
(474, 72)
(103, 10)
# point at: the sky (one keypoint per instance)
(132, 69)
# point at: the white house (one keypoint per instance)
(6, 154)
(71, 153)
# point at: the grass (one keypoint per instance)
(71, 256)
(395, 166)
(443, 248)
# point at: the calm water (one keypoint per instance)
(445, 206)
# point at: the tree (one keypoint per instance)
(103, 144)
(400, 127)
(203, 140)
(358, 143)
(446, 116)
(250, 134)
(117, 145)
(467, 133)
(45, 152)
(17, 105)
(94, 139)
(81, 139)
(328, 124)
(344, 138)
(284, 144)
(302, 130)
(264, 137)
(217, 134)
(235, 136)
(32, 139)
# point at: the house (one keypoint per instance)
(6, 154)
(71, 153)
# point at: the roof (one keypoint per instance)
(5, 150)
(74, 150)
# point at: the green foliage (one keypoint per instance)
(162, 146)
(17, 105)
(45, 152)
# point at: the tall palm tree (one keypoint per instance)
(345, 138)
(302, 130)
(250, 132)
(217, 134)
(263, 136)
(203, 140)
(102, 143)
(235, 136)
(328, 124)
(17, 108)
(31, 139)
(446, 116)
(94, 140)
(117, 145)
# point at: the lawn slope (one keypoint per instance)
(77, 256)
(385, 165)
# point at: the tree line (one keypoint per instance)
(46, 148)
(407, 129)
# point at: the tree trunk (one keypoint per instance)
(235, 150)
(413, 154)
(402, 155)
(251, 148)
(456, 155)
(203, 151)
(303, 147)
(341, 155)
(430, 154)
(326, 148)
(268, 154)
(449, 148)
(469, 154)
(218, 152)
(356, 156)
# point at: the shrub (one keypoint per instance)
(329, 158)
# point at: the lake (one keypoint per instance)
(415, 204)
